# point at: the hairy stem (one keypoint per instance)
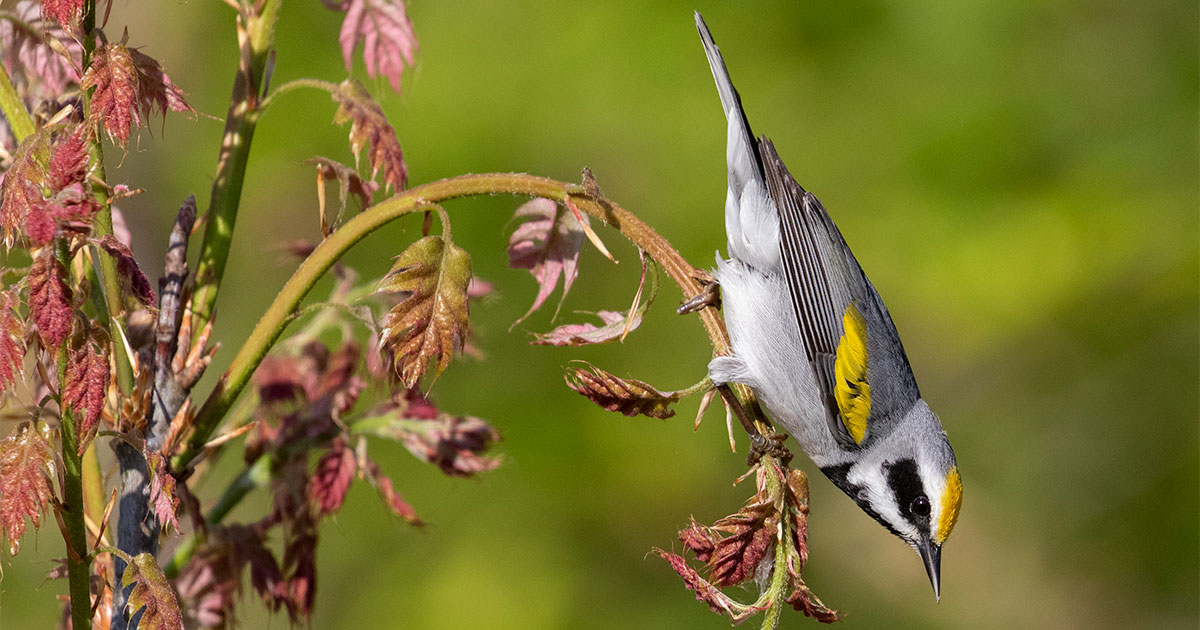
(283, 308)
(14, 110)
(255, 34)
(78, 567)
(316, 84)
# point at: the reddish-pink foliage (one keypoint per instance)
(25, 459)
(115, 100)
(302, 395)
(383, 27)
(70, 204)
(49, 299)
(332, 477)
(155, 89)
(300, 564)
(38, 72)
(719, 602)
(700, 540)
(615, 326)
(370, 128)
(547, 243)
(399, 506)
(86, 388)
(127, 267)
(68, 159)
(71, 209)
(748, 536)
(209, 586)
(627, 396)
(163, 498)
(455, 444)
(23, 184)
(65, 12)
(129, 86)
(247, 545)
(12, 338)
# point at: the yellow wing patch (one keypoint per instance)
(951, 504)
(850, 389)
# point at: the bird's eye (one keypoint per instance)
(920, 506)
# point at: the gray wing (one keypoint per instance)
(824, 279)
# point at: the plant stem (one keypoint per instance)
(283, 308)
(14, 110)
(103, 226)
(78, 566)
(325, 86)
(93, 485)
(255, 33)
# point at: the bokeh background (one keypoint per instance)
(1019, 180)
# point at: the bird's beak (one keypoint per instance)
(931, 554)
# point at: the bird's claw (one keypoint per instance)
(771, 445)
(710, 294)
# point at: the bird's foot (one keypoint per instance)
(772, 445)
(710, 294)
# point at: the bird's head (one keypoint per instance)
(909, 482)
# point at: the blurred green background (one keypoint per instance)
(1019, 179)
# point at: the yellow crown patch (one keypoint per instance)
(951, 504)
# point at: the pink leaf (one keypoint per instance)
(615, 326)
(24, 489)
(386, 33)
(628, 396)
(68, 159)
(129, 86)
(115, 100)
(23, 185)
(128, 268)
(163, 498)
(155, 89)
(398, 505)
(370, 129)
(332, 477)
(86, 388)
(719, 602)
(38, 70)
(547, 243)
(12, 341)
(65, 12)
(49, 299)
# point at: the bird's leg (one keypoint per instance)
(759, 444)
(710, 294)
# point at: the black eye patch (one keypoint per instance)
(905, 483)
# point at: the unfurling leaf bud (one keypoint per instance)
(431, 321)
(628, 396)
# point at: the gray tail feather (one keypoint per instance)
(731, 102)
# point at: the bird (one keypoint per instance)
(812, 338)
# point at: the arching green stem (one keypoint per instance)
(283, 308)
